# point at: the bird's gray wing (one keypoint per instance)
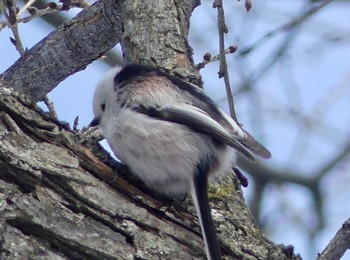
(196, 119)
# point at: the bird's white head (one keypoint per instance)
(103, 92)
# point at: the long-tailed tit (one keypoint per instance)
(171, 135)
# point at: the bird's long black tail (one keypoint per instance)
(199, 193)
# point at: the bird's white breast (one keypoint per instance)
(163, 154)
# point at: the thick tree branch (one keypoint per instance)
(156, 33)
(69, 49)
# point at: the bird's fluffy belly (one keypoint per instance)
(163, 154)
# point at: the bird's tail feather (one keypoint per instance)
(199, 193)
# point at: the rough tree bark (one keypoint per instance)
(59, 199)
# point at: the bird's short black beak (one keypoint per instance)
(94, 122)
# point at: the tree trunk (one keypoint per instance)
(59, 199)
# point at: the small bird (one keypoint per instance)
(171, 135)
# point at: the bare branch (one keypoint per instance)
(207, 58)
(50, 107)
(286, 27)
(338, 245)
(25, 7)
(91, 132)
(340, 156)
(218, 4)
(12, 22)
(75, 124)
(50, 8)
(66, 51)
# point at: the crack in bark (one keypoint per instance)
(68, 247)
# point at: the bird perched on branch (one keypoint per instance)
(171, 135)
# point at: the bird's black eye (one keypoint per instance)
(103, 107)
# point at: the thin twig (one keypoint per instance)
(91, 132)
(50, 9)
(25, 7)
(11, 18)
(207, 58)
(342, 154)
(37, 13)
(50, 107)
(223, 64)
(286, 27)
(75, 124)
